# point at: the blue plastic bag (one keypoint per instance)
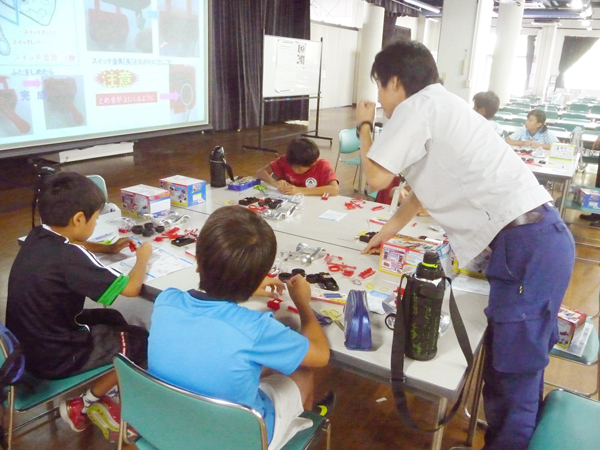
(358, 325)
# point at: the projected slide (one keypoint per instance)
(74, 70)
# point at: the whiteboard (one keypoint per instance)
(290, 67)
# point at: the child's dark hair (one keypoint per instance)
(64, 194)
(410, 61)
(235, 251)
(540, 116)
(302, 152)
(489, 101)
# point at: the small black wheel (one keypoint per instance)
(390, 320)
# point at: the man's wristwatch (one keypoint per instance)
(360, 125)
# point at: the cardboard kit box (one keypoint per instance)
(142, 199)
(401, 254)
(569, 321)
(588, 198)
(185, 191)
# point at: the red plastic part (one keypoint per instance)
(274, 304)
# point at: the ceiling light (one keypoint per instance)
(575, 4)
(421, 5)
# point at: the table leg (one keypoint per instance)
(478, 378)
(565, 192)
(436, 443)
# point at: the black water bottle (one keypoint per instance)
(423, 307)
(219, 167)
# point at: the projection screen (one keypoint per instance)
(76, 72)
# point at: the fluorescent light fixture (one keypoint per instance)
(575, 4)
(421, 5)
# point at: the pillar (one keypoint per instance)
(370, 37)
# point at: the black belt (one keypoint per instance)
(529, 217)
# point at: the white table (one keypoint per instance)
(442, 377)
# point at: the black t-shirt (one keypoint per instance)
(47, 287)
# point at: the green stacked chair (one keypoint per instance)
(171, 418)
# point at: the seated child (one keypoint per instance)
(486, 104)
(535, 134)
(51, 277)
(301, 171)
(204, 341)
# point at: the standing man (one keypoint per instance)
(482, 194)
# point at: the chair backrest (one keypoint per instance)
(514, 110)
(171, 418)
(579, 107)
(571, 126)
(551, 114)
(516, 119)
(349, 142)
(560, 129)
(595, 109)
(574, 115)
(99, 181)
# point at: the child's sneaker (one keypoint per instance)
(106, 415)
(324, 406)
(71, 412)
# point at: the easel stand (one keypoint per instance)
(262, 119)
(288, 99)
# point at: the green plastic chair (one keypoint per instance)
(551, 114)
(171, 418)
(34, 392)
(595, 109)
(583, 107)
(350, 143)
(511, 109)
(574, 115)
(99, 181)
(567, 422)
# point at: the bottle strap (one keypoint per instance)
(398, 377)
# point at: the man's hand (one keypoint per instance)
(270, 287)
(365, 111)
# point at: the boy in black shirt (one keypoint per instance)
(51, 277)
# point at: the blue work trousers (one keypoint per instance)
(529, 273)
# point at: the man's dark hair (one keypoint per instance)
(302, 152)
(410, 61)
(540, 116)
(488, 101)
(64, 194)
(235, 251)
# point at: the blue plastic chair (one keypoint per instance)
(567, 422)
(574, 115)
(350, 143)
(34, 392)
(171, 418)
(583, 107)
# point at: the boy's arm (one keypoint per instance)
(265, 175)
(115, 247)
(318, 347)
(332, 188)
(138, 273)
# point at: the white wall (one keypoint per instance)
(339, 64)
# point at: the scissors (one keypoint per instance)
(323, 320)
(334, 315)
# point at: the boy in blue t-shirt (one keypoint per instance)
(203, 341)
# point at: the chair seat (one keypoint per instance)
(567, 422)
(351, 161)
(299, 442)
(27, 399)
(590, 353)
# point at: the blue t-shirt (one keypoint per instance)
(541, 137)
(218, 348)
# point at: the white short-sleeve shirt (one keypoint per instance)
(464, 174)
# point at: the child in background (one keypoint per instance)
(535, 134)
(51, 277)
(487, 104)
(301, 171)
(203, 341)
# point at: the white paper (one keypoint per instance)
(374, 301)
(161, 263)
(334, 216)
(470, 284)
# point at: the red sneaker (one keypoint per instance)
(70, 412)
(106, 415)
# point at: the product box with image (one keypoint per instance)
(569, 321)
(142, 199)
(400, 255)
(588, 197)
(185, 191)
